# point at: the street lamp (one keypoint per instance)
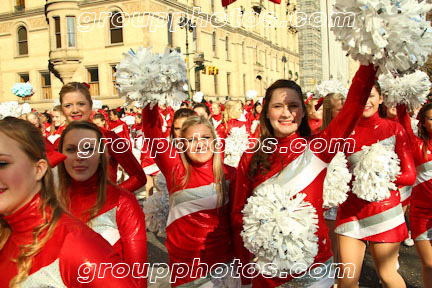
(189, 27)
(284, 60)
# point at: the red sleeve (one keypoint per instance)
(165, 155)
(242, 191)
(83, 258)
(403, 150)
(344, 123)
(132, 228)
(127, 160)
(405, 121)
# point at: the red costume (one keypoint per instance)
(59, 262)
(420, 213)
(304, 171)
(121, 220)
(315, 125)
(196, 228)
(120, 128)
(381, 221)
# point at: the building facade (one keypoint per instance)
(51, 42)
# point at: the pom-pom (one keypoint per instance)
(336, 181)
(377, 168)
(254, 125)
(410, 89)
(152, 78)
(25, 108)
(235, 144)
(11, 108)
(57, 102)
(392, 36)
(331, 86)
(137, 104)
(23, 89)
(198, 97)
(129, 120)
(97, 104)
(156, 207)
(251, 94)
(279, 227)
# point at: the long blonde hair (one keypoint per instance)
(31, 142)
(65, 179)
(218, 172)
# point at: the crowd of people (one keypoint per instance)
(65, 203)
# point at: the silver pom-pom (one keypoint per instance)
(235, 144)
(11, 108)
(251, 94)
(279, 227)
(254, 125)
(389, 34)
(152, 78)
(156, 207)
(377, 168)
(410, 89)
(336, 181)
(331, 86)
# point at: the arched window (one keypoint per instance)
(116, 27)
(22, 41)
(214, 43)
(243, 52)
(227, 47)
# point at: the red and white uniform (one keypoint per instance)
(120, 128)
(58, 262)
(121, 220)
(315, 125)
(381, 221)
(57, 133)
(196, 228)
(303, 172)
(420, 213)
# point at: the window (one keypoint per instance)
(228, 83)
(24, 77)
(46, 85)
(243, 52)
(256, 55)
(113, 70)
(22, 41)
(195, 40)
(93, 79)
(244, 84)
(227, 47)
(116, 29)
(214, 43)
(215, 79)
(170, 37)
(212, 5)
(70, 24)
(19, 5)
(57, 32)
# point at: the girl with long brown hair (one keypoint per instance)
(40, 245)
(86, 192)
(299, 168)
(77, 105)
(198, 184)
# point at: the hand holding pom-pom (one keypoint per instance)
(336, 182)
(251, 94)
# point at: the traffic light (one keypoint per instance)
(211, 70)
(216, 71)
(204, 71)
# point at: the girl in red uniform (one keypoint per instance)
(198, 183)
(87, 194)
(77, 104)
(303, 167)
(420, 213)
(67, 251)
(381, 223)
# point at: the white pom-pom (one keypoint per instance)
(25, 108)
(97, 104)
(235, 144)
(11, 108)
(336, 181)
(331, 86)
(129, 120)
(156, 207)
(391, 36)
(251, 94)
(198, 97)
(410, 89)
(152, 78)
(254, 125)
(56, 103)
(279, 227)
(377, 168)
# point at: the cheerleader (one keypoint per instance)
(58, 124)
(284, 117)
(231, 115)
(40, 245)
(380, 223)
(99, 120)
(314, 116)
(198, 222)
(88, 195)
(77, 104)
(420, 213)
(253, 120)
(202, 109)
